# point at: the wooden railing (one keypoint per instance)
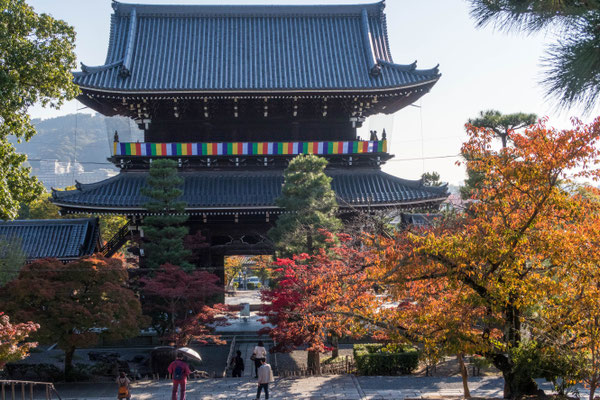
(14, 390)
(115, 243)
(230, 356)
(346, 366)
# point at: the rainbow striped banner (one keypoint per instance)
(247, 148)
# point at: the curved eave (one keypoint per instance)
(263, 92)
(343, 208)
(249, 192)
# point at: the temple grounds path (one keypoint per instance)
(340, 387)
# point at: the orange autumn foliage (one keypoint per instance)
(480, 274)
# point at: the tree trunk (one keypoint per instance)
(335, 343)
(314, 362)
(465, 376)
(514, 385)
(172, 306)
(69, 362)
(309, 243)
(592, 389)
(504, 138)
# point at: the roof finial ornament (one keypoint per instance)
(116, 137)
(383, 135)
(375, 70)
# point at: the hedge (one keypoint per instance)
(376, 359)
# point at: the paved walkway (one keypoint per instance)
(338, 387)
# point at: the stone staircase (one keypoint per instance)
(245, 342)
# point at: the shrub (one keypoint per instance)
(379, 359)
(79, 373)
(250, 286)
(36, 372)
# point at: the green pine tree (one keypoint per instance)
(431, 179)
(164, 231)
(572, 63)
(502, 125)
(310, 204)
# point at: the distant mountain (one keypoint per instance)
(82, 137)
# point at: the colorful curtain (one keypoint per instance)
(247, 148)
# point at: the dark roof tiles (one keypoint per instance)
(210, 190)
(249, 48)
(62, 238)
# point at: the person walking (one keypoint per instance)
(179, 371)
(258, 354)
(238, 365)
(123, 385)
(265, 376)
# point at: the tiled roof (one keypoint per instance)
(247, 190)
(249, 48)
(54, 238)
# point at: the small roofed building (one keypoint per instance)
(233, 93)
(63, 239)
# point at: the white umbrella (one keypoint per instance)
(190, 353)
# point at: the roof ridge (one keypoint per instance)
(124, 9)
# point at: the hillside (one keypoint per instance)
(82, 137)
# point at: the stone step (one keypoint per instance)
(245, 337)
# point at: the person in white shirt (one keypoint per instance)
(265, 376)
(259, 353)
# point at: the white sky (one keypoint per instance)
(481, 69)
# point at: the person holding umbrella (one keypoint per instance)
(179, 371)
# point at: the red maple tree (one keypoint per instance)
(309, 303)
(180, 304)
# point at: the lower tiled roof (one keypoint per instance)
(246, 190)
(54, 238)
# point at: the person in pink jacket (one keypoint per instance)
(179, 371)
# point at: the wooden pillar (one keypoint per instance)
(217, 263)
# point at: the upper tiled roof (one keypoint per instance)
(247, 190)
(168, 48)
(54, 238)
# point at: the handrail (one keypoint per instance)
(118, 239)
(229, 356)
(25, 386)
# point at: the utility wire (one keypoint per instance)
(80, 162)
(392, 160)
(425, 158)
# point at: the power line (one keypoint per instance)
(392, 160)
(425, 158)
(75, 161)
